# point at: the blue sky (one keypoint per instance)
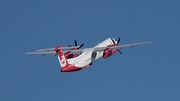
(143, 73)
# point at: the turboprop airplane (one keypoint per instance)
(72, 58)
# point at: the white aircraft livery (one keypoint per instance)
(72, 58)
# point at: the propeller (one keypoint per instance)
(119, 39)
(75, 42)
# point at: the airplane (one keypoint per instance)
(72, 58)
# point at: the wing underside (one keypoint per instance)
(96, 49)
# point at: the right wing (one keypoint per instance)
(130, 45)
(121, 46)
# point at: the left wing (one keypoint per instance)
(43, 53)
(96, 49)
(50, 49)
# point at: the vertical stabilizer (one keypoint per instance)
(61, 57)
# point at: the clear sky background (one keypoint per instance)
(143, 73)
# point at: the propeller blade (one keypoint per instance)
(118, 40)
(113, 40)
(119, 51)
(80, 46)
(75, 42)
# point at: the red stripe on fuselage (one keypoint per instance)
(70, 68)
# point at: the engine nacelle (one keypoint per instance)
(69, 56)
(108, 52)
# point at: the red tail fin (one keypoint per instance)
(61, 57)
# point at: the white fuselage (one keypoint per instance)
(88, 57)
